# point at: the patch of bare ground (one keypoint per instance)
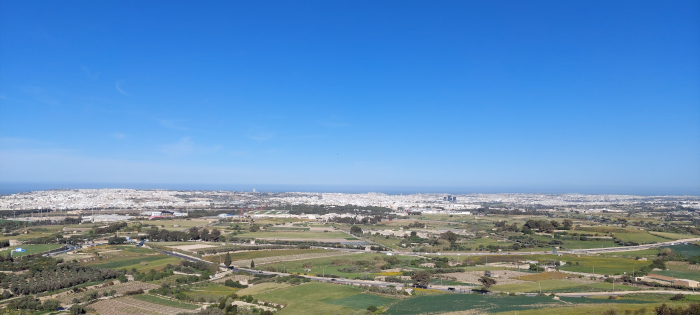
(234, 278)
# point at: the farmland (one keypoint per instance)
(288, 235)
(130, 305)
(317, 298)
(265, 253)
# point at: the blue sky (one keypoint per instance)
(550, 96)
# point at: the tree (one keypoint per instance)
(356, 230)
(227, 260)
(421, 278)
(252, 264)
(487, 282)
(215, 233)
(567, 223)
(450, 236)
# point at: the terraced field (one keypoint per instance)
(276, 259)
(67, 297)
(130, 306)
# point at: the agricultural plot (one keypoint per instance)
(298, 236)
(687, 251)
(165, 302)
(671, 236)
(560, 286)
(333, 265)
(261, 288)
(361, 301)
(179, 225)
(288, 258)
(266, 253)
(602, 265)
(121, 288)
(641, 238)
(130, 305)
(681, 270)
(210, 292)
(437, 304)
(312, 298)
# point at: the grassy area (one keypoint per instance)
(211, 291)
(183, 224)
(444, 303)
(266, 253)
(294, 235)
(561, 286)
(641, 238)
(603, 265)
(361, 301)
(262, 288)
(130, 262)
(686, 250)
(33, 249)
(319, 266)
(160, 301)
(155, 264)
(593, 308)
(312, 298)
(672, 236)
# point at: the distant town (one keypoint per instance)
(98, 199)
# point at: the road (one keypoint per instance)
(399, 285)
(575, 251)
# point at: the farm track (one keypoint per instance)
(130, 306)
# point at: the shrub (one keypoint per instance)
(677, 297)
(372, 308)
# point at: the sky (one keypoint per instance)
(462, 96)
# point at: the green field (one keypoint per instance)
(313, 298)
(160, 301)
(603, 265)
(672, 236)
(686, 250)
(443, 303)
(325, 263)
(183, 224)
(155, 264)
(561, 286)
(679, 271)
(361, 301)
(266, 253)
(262, 288)
(211, 291)
(33, 249)
(501, 304)
(131, 262)
(293, 235)
(641, 238)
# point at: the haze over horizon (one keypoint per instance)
(590, 97)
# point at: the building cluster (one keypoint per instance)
(73, 199)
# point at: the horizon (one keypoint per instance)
(13, 188)
(588, 97)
